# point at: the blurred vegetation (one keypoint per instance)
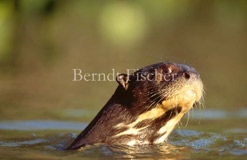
(41, 41)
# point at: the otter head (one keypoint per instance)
(158, 96)
(145, 107)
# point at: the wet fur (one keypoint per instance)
(136, 112)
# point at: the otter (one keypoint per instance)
(145, 107)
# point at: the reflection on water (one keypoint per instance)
(182, 144)
(219, 114)
(208, 141)
(41, 125)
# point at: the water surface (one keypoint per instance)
(201, 138)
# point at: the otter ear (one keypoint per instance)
(123, 80)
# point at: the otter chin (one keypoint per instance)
(145, 107)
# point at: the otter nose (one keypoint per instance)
(190, 72)
(186, 75)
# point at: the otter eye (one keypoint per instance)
(168, 70)
(186, 75)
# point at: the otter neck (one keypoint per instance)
(120, 123)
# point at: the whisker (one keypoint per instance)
(188, 118)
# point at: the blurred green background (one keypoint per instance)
(41, 41)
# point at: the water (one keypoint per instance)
(209, 135)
